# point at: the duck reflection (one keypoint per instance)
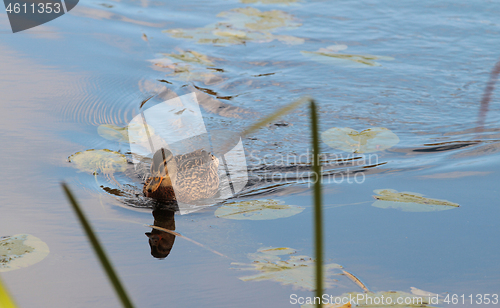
(161, 242)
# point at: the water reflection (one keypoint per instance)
(161, 242)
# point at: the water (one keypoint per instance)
(61, 80)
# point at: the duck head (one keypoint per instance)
(159, 169)
(154, 183)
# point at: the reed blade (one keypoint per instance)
(318, 217)
(188, 239)
(6, 301)
(356, 281)
(106, 264)
(275, 115)
(485, 101)
(266, 120)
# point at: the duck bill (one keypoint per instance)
(154, 184)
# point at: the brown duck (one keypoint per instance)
(193, 175)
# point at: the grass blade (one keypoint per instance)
(485, 101)
(6, 300)
(318, 217)
(188, 239)
(275, 115)
(356, 281)
(106, 264)
(265, 121)
(146, 100)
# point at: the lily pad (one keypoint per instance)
(297, 270)
(257, 210)
(131, 133)
(330, 55)
(191, 56)
(366, 141)
(21, 250)
(409, 201)
(113, 132)
(136, 132)
(242, 25)
(186, 72)
(95, 161)
(279, 251)
(254, 19)
(381, 299)
(422, 292)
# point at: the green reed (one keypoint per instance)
(316, 171)
(106, 264)
(6, 301)
(318, 217)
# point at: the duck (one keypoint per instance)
(183, 178)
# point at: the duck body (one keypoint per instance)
(185, 178)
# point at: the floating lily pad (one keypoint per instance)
(257, 210)
(254, 19)
(186, 72)
(297, 270)
(21, 250)
(375, 300)
(422, 292)
(95, 161)
(242, 25)
(113, 132)
(330, 55)
(288, 39)
(191, 56)
(136, 132)
(280, 251)
(131, 133)
(409, 201)
(367, 141)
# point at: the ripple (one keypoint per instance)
(96, 105)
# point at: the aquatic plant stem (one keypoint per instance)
(106, 264)
(268, 119)
(6, 300)
(485, 101)
(318, 218)
(275, 115)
